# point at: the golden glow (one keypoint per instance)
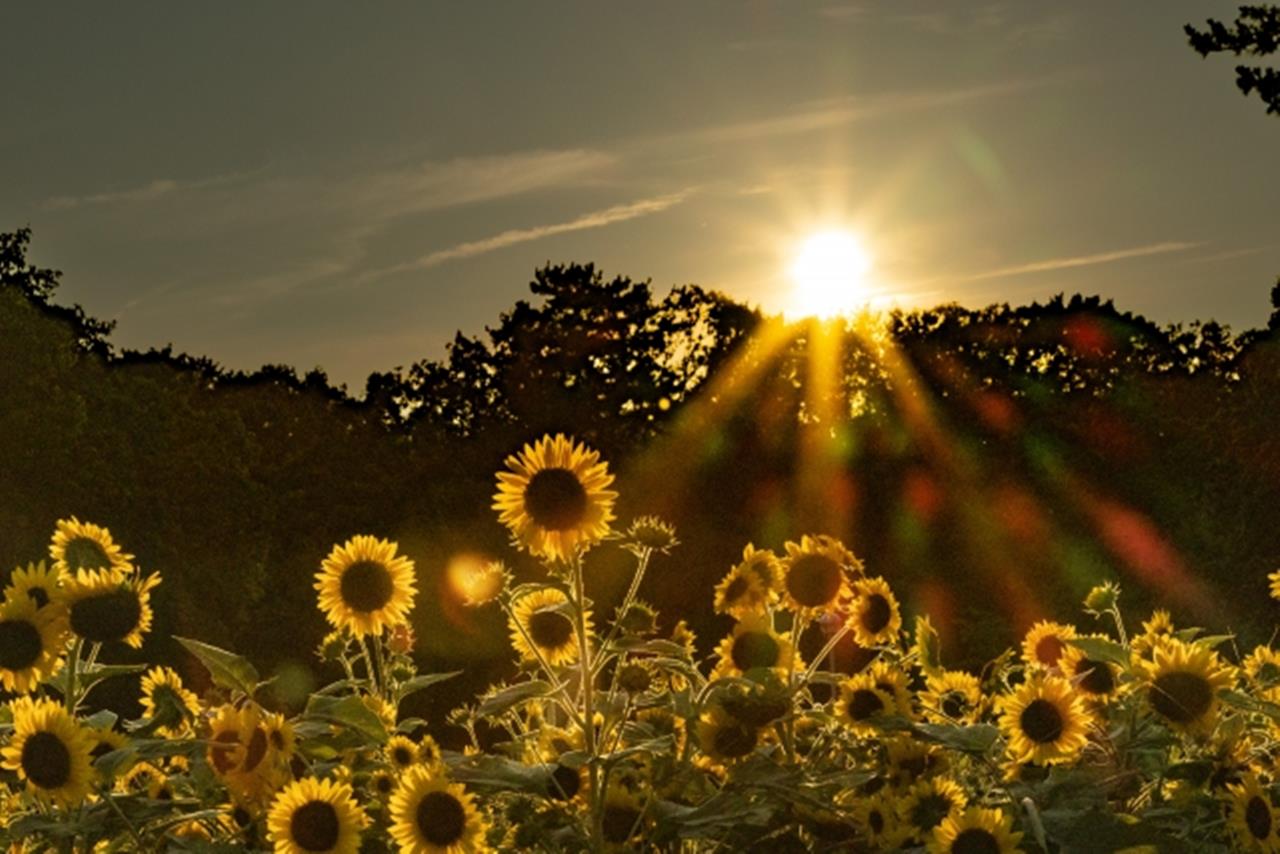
(830, 275)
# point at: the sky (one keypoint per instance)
(346, 185)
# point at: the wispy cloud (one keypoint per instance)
(1079, 261)
(153, 191)
(511, 237)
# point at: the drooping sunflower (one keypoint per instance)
(874, 614)
(555, 497)
(541, 621)
(80, 545)
(37, 581)
(430, 815)
(312, 815)
(107, 605)
(862, 705)
(975, 830)
(50, 750)
(1182, 683)
(226, 740)
(752, 644)
(1044, 721)
(1096, 679)
(164, 694)
(816, 574)
(751, 584)
(929, 802)
(723, 738)
(31, 641)
(1252, 816)
(365, 586)
(1045, 643)
(952, 696)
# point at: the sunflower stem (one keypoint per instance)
(641, 566)
(73, 662)
(826, 651)
(588, 698)
(115, 808)
(567, 703)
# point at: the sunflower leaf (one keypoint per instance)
(1101, 649)
(230, 671)
(1250, 704)
(976, 739)
(350, 712)
(513, 696)
(426, 680)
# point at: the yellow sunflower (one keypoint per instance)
(862, 705)
(1252, 816)
(930, 802)
(1045, 643)
(952, 696)
(50, 750)
(895, 682)
(1096, 679)
(649, 533)
(103, 740)
(280, 735)
(365, 586)
(1154, 632)
(401, 752)
(543, 615)
(555, 497)
(874, 614)
(82, 545)
(725, 739)
(382, 784)
(429, 751)
(1262, 666)
(39, 582)
(226, 740)
(878, 818)
(312, 815)
(106, 605)
(751, 584)
(1044, 721)
(1182, 683)
(1274, 578)
(164, 694)
(430, 815)
(752, 644)
(816, 574)
(31, 642)
(909, 760)
(975, 829)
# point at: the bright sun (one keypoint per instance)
(829, 272)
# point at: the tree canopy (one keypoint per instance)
(1255, 32)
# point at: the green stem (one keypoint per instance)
(567, 702)
(826, 650)
(627, 600)
(588, 702)
(133, 832)
(73, 662)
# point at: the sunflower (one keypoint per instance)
(312, 815)
(1154, 632)
(975, 830)
(909, 760)
(103, 740)
(725, 739)
(929, 802)
(1182, 683)
(878, 818)
(1044, 721)
(106, 605)
(429, 751)
(31, 641)
(1262, 666)
(753, 644)
(226, 748)
(540, 621)
(1274, 578)
(365, 586)
(895, 682)
(649, 533)
(751, 584)
(1252, 816)
(82, 545)
(952, 696)
(163, 694)
(430, 815)
(50, 750)
(1096, 679)
(862, 704)
(1045, 643)
(39, 582)
(382, 783)
(401, 752)
(816, 573)
(280, 735)
(555, 497)
(874, 613)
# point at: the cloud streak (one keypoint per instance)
(1053, 264)
(153, 191)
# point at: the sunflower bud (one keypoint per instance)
(332, 647)
(1102, 598)
(402, 639)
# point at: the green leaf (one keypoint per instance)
(1250, 704)
(1102, 649)
(514, 695)
(502, 773)
(230, 671)
(426, 680)
(350, 712)
(1093, 830)
(976, 739)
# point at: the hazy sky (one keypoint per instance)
(346, 184)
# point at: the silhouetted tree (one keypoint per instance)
(1256, 33)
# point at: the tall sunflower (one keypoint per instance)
(555, 497)
(751, 584)
(874, 614)
(80, 545)
(107, 605)
(975, 830)
(816, 573)
(50, 750)
(164, 694)
(365, 586)
(31, 641)
(1182, 682)
(430, 815)
(1044, 721)
(1252, 816)
(37, 581)
(312, 815)
(543, 616)
(752, 644)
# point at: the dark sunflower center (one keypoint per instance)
(754, 649)
(85, 553)
(222, 750)
(930, 810)
(1049, 649)
(38, 595)
(863, 704)
(107, 616)
(876, 614)
(555, 499)
(1041, 721)
(734, 740)
(46, 760)
(1098, 678)
(756, 711)
(402, 756)
(762, 571)
(277, 740)
(975, 840)
(953, 704)
(20, 645)
(100, 750)
(366, 586)
(549, 630)
(384, 784)
(256, 750)
(565, 782)
(1180, 696)
(619, 821)
(441, 819)
(314, 826)
(875, 821)
(1257, 817)
(634, 679)
(814, 580)
(736, 589)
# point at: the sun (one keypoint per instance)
(830, 276)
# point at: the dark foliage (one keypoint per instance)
(1256, 32)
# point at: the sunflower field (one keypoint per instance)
(614, 735)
